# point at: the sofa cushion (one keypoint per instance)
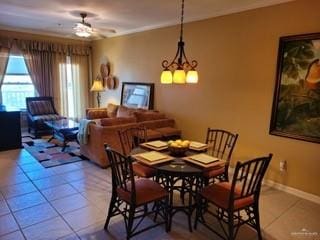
(116, 121)
(153, 135)
(149, 116)
(41, 107)
(169, 131)
(112, 110)
(97, 113)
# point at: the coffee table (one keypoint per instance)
(65, 130)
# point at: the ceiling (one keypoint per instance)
(57, 17)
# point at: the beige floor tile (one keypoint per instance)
(72, 236)
(299, 221)
(84, 217)
(96, 232)
(58, 192)
(42, 173)
(31, 167)
(26, 160)
(18, 189)
(51, 229)
(25, 201)
(65, 168)
(4, 209)
(36, 214)
(88, 184)
(8, 178)
(49, 182)
(13, 236)
(273, 203)
(84, 164)
(70, 203)
(8, 224)
(74, 175)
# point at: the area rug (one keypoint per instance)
(50, 154)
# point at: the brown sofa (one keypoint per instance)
(114, 118)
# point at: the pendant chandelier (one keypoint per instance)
(180, 70)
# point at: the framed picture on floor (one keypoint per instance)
(296, 102)
(137, 95)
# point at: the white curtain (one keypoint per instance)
(72, 85)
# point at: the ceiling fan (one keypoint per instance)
(85, 30)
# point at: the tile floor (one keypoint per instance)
(70, 202)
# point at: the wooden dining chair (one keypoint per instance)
(131, 138)
(237, 202)
(221, 144)
(131, 197)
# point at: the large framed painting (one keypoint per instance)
(137, 95)
(296, 102)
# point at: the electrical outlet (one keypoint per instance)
(283, 166)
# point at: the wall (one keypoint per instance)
(237, 57)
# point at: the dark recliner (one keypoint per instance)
(40, 109)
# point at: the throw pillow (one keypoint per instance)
(112, 110)
(125, 111)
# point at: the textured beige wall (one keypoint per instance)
(237, 57)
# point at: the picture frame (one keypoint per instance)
(296, 101)
(137, 95)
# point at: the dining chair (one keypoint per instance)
(131, 138)
(131, 197)
(237, 201)
(221, 144)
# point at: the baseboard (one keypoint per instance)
(293, 191)
(287, 189)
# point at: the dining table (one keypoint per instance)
(178, 174)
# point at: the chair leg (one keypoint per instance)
(110, 212)
(257, 220)
(130, 221)
(166, 213)
(230, 226)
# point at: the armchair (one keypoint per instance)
(39, 110)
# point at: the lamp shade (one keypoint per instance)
(97, 86)
(166, 77)
(179, 76)
(192, 76)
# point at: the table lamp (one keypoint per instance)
(97, 87)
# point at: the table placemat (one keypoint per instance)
(198, 146)
(155, 145)
(212, 164)
(142, 159)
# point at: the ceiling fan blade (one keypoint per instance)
(96, 34)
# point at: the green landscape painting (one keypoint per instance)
(296, 107)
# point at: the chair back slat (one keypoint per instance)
(248, 177)
(221, 143)
(122, 172)
(131, 138)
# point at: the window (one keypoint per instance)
(17, 84)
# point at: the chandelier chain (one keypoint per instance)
(181, 24)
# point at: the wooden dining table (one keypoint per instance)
(178, 175)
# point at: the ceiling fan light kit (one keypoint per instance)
(83, 29)
(183, 70)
